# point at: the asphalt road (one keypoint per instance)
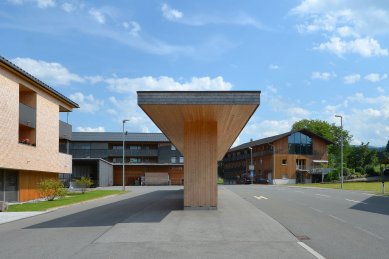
(335, 223)
(149, 222)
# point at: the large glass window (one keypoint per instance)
(299, 143)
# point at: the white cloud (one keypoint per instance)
(68, 7)
(88, 103)
(45, 3)
(375, 77)
(52, 73)
(267, 128)
(133, 26)
(337, 20)
(323, 75)
(351, 79)
(170, 13)
(90, 129)
(380, 90)
(366, 47)
(97, 15)
(128, 85)
(273, 66)
(40, 3)
(298, 112)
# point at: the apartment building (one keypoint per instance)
(30, 132)
(99, 155)
(292, 157)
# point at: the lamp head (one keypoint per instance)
(124, 121)
(339, 116)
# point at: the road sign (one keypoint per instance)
(251, 167)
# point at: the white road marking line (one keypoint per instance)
(356, 201)
(317, 210)
(337, 218)
(322, 195)
(369, 194)
(299, 191)
(260, 197)
(370, 233)
(309, 249)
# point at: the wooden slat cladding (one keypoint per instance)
(176, 173)
(28, 184)
(200, 187)
(230, 119)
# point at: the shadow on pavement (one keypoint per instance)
(147, 208)
(375, 204)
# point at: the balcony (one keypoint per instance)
(104, 153)
(247, 156)
(65, 130)
(131, 152)
(27, 116)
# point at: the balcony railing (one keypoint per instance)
(101, 153)
(65, 130)
(247, 156)
(320, 170)
(133, 152)
(27, 115)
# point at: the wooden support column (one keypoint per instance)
(200, 165)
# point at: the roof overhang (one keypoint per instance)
(169, 110)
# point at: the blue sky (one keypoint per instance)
(311, 59)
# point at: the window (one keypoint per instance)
(117, 147)
(181, 159)
(173, 159)
(135, 148)
(135, 160)
(117, 160)
(284, 162)
(299, 143)
(172, 147)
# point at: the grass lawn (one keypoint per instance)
(358, 186)
(71, 198)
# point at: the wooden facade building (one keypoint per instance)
(293, 157)
(30, 133)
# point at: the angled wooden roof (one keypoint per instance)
(169, 110)
(277, 137)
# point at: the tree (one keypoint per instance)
(51, 188)
(329, 131)
(84, 183)
(361, 156)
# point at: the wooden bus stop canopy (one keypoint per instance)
(202, 125)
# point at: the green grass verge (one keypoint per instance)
(357, 186)
(71, 198)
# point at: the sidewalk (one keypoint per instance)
(12, 216)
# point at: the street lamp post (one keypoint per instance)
(251, 165)
(341, 150)
(274, 163)
(124, 150)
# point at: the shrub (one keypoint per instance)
(360, 170)
(332, 176)
(51, 188)
(220, 181)
(370, 171)
(84, 183)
